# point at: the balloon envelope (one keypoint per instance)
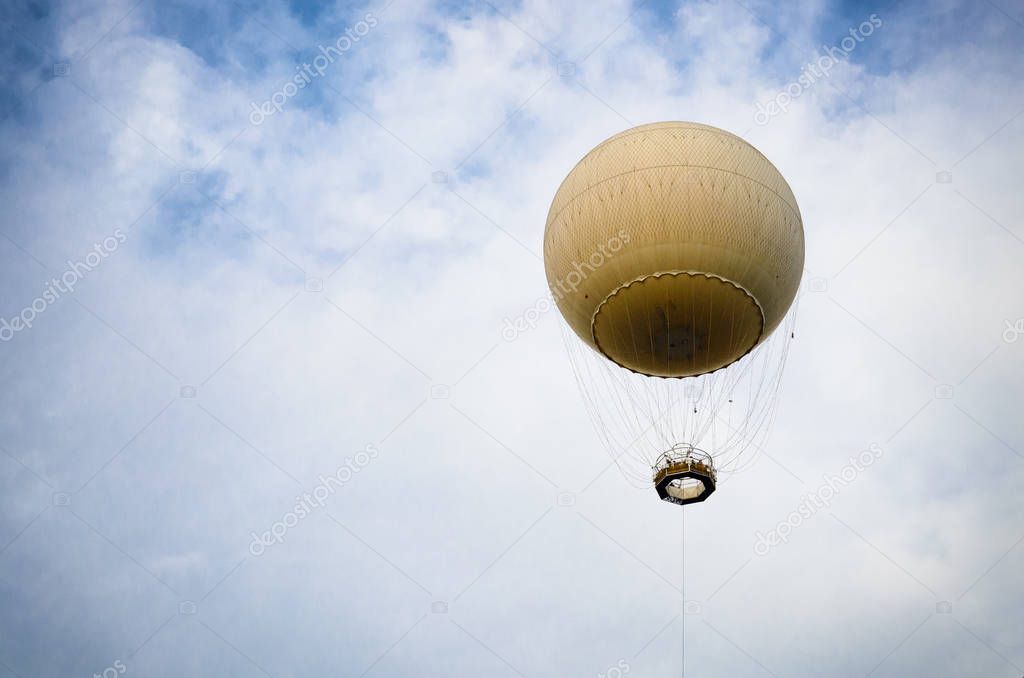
(674, 249)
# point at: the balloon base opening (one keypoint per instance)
(684, 475)
(676, 324)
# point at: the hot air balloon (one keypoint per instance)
(674, 252)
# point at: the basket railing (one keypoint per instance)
(688, 457)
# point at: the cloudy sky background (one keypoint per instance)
(127, 507)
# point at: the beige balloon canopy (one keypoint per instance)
(674, 248)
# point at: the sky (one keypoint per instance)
(221, 292)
